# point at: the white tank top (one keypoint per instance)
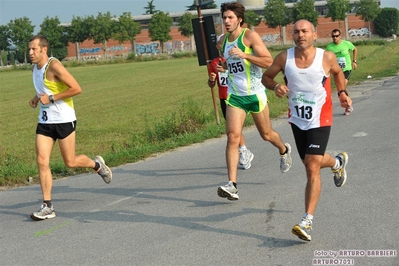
(61, 111)
(309, 97)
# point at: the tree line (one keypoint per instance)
(104, 26)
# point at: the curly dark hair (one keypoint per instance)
(237, 8)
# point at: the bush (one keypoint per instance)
(131, 57)
(184, 54)
(386, 23)
(189, 119)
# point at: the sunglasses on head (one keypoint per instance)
(335, 36)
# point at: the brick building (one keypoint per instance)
(352, 28)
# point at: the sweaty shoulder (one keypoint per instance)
(328, 56)
(330, 62)
(56, 66)
(251, 37)
(280, 58)
(55, 70)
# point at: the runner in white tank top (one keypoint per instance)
(306, 69)
(309, 101)
(55, 87)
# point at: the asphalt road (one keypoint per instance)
(165, 210)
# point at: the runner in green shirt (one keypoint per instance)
(341, 49)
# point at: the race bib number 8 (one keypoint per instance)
(302, 105)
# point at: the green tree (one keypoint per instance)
(305, 10)
(20, 31)
(78, 32)
(3, 43)
(159, 28)
(186, 25)
(126, 29)
(56, 34)
(150, 8)
(102, 28)
(337, 10)
(252, 19)
(194, 6)
(367, 10)
(386, 23)
(277, 15)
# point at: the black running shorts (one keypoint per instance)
(56, 131)
(311, 141)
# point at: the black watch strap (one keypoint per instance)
(341, 91)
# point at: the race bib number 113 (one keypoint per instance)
(302, 105)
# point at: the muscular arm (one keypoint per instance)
(269, 75)
(262, 56)
(35, 100)
(331, 66)
(354, 65)
(57, 72)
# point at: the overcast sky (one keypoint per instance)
(37, 10)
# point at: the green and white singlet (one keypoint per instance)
(244, 77)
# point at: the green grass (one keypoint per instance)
(131, 110)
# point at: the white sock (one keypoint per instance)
(308, 216)
(242, 148)
(337, 164)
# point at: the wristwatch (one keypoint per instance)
(344, 91)
(51, 98)
(354, 61)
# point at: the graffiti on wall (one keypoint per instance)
(154, 48)
(151, 48)
(96, 50)
(141, 48)
(93, 50)
(178, 45)
(273, 38)
(359, 32)
(117, 48)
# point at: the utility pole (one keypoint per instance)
(200, 3)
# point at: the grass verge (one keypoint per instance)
(131, 110)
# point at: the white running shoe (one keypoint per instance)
(340, 173)
(348, 110)
(104, 170)
(228, 191)
(285, 160)
(303, 229)
(44, 213)
(245, 160)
